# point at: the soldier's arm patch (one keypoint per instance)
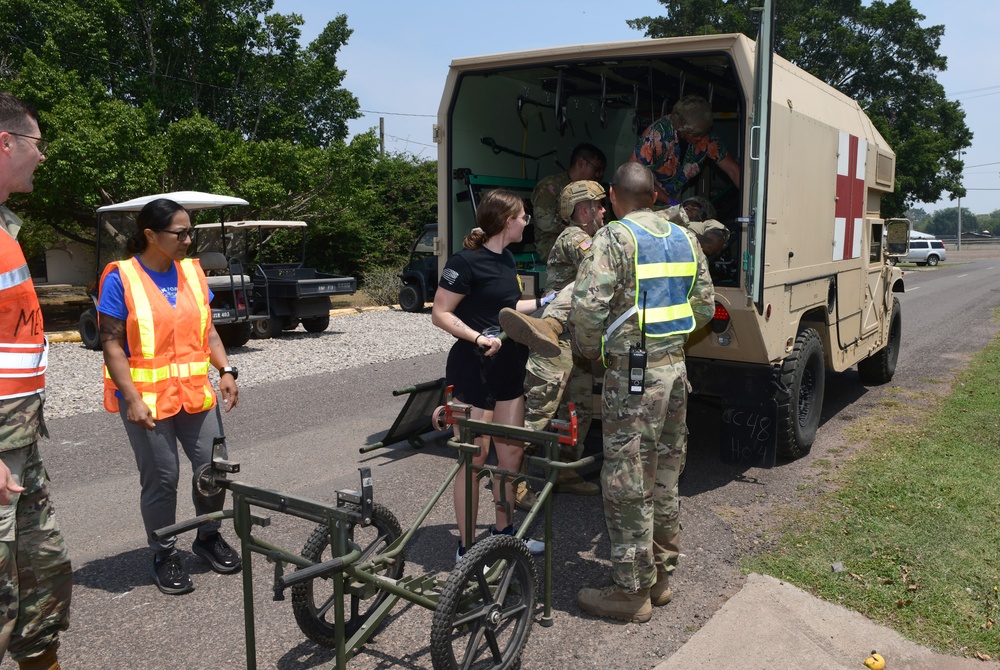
(585, 245)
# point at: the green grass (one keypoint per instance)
(915, 520)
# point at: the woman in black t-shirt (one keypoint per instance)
(486, 372)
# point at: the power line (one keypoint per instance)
(400, 139)
(368, 111)
(983, 164)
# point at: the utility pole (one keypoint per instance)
(958, 247)
(381, 134)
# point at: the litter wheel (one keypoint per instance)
(483, 619)
(438, 418)
(204, 483)
(313, 602)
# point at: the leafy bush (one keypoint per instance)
(381, 284)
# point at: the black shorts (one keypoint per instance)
(481, 380)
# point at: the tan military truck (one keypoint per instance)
(805, 284)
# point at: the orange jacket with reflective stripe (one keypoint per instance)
(168, 346)
(23, 349)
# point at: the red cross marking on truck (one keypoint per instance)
(850, 209)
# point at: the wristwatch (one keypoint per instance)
(231, 371)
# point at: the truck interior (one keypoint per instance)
(510, 127)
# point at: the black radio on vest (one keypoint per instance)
(637, 358)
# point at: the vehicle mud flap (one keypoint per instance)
(747, 432)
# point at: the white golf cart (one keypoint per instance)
(231, 288)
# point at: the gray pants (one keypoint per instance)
(159, 465)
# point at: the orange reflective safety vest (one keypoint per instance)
(23, 349)
(168, 346)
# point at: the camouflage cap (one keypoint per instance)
(578, 191)
(707, 208)
(692, 115)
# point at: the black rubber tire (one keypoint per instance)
(410, 299)
(359, 601)
(476, 616)
(90, 334)
(316, 324)
(800, 406)
(234, 334)
(932, 260)
(262, 329)
(893, 260)
(881, 366)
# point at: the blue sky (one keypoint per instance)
(397, 60)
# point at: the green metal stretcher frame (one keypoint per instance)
(350, 560)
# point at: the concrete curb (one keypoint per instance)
(771, 624)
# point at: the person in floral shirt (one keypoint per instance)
(675, 146)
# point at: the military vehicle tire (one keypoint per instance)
(881, 366)
(410, 299)
(90, 335)
(312, 601)
(932, 260)
(800, 405)
(316, 324)
(234, 334)
(480, 623)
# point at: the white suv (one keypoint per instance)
(925, 252)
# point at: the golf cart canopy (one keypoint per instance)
(191, 200)
(255, 224)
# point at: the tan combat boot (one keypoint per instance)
(47, 661)
(539, 335)
(613, 603)
(524, 497)
(660, 593)
(568, 481)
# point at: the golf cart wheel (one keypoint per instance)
(410, 299)
(90, 334)
(234, 334)
(316, 324)
(263, 329)
(483, 619)
(313, 602)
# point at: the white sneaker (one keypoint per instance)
(535, 547)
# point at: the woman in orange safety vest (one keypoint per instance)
(158, 340)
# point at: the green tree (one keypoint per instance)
(945, 222)
(231, 61)
(878, 54)
(991, 222)
(918, 217)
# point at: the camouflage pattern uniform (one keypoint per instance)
(645, 436)
(545, 212)
(35, 571)
(545, 378)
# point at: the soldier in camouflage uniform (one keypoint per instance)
(586, 162)
(35, 572)
(545, 381)
(645, 434)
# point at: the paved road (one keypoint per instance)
(302, 435)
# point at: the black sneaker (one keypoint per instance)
(170, 576)
(218, 553)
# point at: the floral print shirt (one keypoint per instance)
(660, 150)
